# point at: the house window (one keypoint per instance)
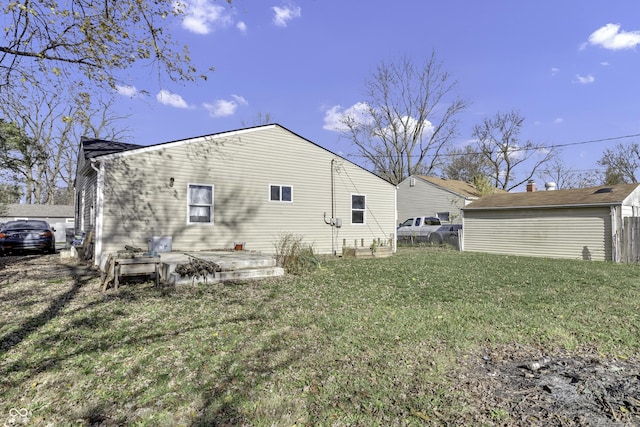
(200, 204)
(280, 193)
(357, 208)
(443, 216)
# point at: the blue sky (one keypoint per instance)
(571, 67)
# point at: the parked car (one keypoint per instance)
(425, 229)
(31, 235)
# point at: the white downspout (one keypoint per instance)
(394, 244)
(615, 236)
(97, 238)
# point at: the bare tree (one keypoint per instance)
(407, 120)
(44, 163)
(563, 176)
(621, 164)
(10, 193)
(96, 39)
(258, 120)
(498, 139)
(465, 164)
(19, 154)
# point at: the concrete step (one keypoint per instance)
(236, 265)
(174, 278)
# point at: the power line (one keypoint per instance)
(515, 149)
(613, 138)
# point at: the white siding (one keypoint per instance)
(426, 199)
(141, 200)
(580, 233)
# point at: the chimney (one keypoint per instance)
(550, 186)
(531, 186)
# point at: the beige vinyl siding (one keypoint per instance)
(86, 189)
(579, 233)
(426, 199)
(140, 201)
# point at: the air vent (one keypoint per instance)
(604, 190)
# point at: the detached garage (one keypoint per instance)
(583, 223)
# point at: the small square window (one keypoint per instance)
(280, 193)
(443, 216)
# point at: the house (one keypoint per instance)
(249, 186)
(420, 195)
(582, 223)
(60, 217)
(85, 183)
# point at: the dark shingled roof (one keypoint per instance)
(602, 195)
(100, 147)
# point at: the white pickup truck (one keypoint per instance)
(426, 229)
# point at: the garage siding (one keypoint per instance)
(579, 233)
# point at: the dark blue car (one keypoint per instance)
(32, 235)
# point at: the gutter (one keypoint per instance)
(582, 205)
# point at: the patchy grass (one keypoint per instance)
(357, 342)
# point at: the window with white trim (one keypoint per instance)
(444, 216)
(358, 205)
(280, 193)
(200, 204)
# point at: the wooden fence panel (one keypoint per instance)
(631, 240)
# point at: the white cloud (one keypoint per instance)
(585, 80)
(129, 91)
(171, 99)
(610, 37)
(334, 117)
(225, 107)
(203, 16)
(240, 100)
(554, 71)
(604, 63)
(282, 15)
(410, 125)
(558, 120)
(242, 27)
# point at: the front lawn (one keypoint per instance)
(358, 342)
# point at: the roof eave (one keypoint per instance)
(580, 205)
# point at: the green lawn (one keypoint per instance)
(358, 342)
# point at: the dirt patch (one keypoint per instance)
(515, 387)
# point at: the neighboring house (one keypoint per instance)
(59, 217)
(251, 185)
(583, 223)
(420, 195)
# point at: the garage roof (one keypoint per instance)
(459, 187)
(593, 196)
